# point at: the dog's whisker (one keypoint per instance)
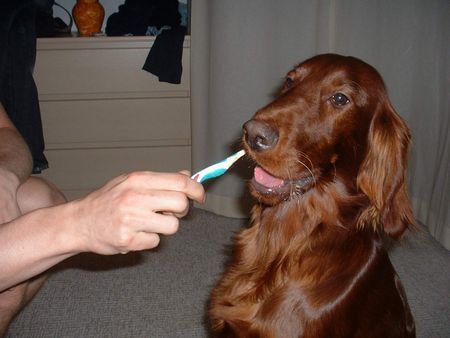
(291, 188)
(309, 170)
(307, 157)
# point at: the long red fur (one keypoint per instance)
(312, 263)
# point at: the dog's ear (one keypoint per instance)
(383, 172)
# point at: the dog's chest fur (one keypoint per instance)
(283, 273)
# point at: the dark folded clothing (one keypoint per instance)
(18, 92)
(134, 16)
(164, 58)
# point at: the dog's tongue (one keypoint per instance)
(267, 180)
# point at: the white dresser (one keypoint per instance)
(103, 115)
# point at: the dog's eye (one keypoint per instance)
(288, 83)
(339, 99)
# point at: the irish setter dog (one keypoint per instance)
(330, 154)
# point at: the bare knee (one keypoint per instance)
(33, 194)
(38, 193)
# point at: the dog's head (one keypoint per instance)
(332, 122)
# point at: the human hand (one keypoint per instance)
(131, 211)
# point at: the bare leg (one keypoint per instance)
(35, 193)
(15, 298)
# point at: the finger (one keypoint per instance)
(167, 201)
(168, 181)
(156, 211)
(161, 224)
(177, 214)
(195, 191)
(144, 241)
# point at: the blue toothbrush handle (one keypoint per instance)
(217, 169)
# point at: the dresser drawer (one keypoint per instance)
(116, 123)
(101, 68)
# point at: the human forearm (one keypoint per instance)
(35, 242)
(127, 214)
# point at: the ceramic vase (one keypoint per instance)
(88, 16)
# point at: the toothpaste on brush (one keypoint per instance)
(217, 169)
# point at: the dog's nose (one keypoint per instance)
(259, 136)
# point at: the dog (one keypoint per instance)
(331, 157)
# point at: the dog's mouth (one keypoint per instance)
(266, 184)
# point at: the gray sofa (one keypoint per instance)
(163, 293)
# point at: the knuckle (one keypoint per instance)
(181, 181)
(135, 176)
(123, 220)
(180, 203)
(124, 239)
(127, 197)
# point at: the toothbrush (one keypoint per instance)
(217, 169)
